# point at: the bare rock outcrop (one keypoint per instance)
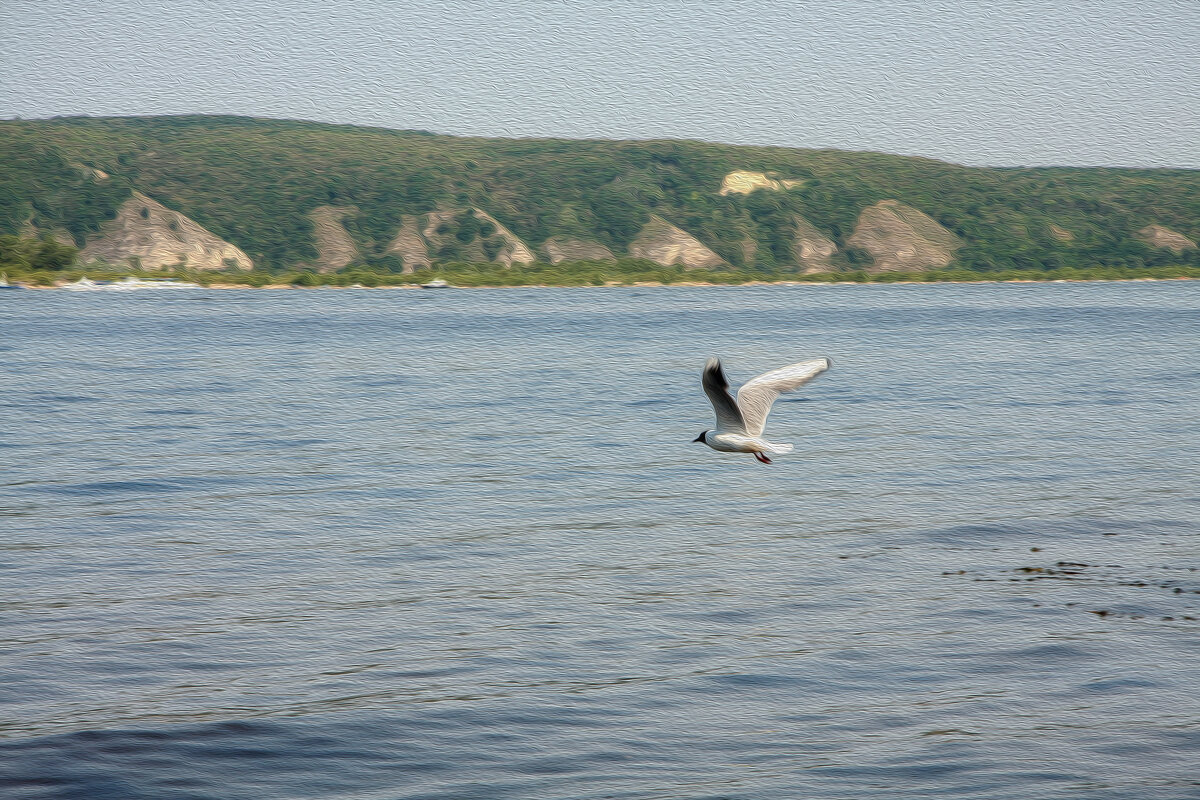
(439, 232)
(435, 220)
(1061, 234)
(489, 240)
(663, 243)
(901, 238)
(335, 248)
(744, 181)
(811, 248)
(514, 250)
(148, 234)
(1159, 236)
(409, 246)
(559, 249)
(91, 172)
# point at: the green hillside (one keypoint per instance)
(253, 183)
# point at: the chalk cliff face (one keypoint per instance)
(901, 238)
(409, 246)
(439, 233)
(91, 172)
(149, 234)
(663, 243)
(421, 241)
(1159, 236)
(812, 248)
(559, 249)
(435, 220)
(514, 250)
(744, 181)
(335, 248)
(1061, 234)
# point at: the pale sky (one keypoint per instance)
(997, 83)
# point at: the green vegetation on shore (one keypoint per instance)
(37, 259)
(254, 183)
(45, 263)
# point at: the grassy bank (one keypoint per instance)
(587, 274)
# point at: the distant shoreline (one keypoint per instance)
(660, 285)
(702, 284)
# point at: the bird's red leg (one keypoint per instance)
(762, 458)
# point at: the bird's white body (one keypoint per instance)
(739, 443)
(740, 422)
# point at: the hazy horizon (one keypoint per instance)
(1013, 84)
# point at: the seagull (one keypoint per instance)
(740, 423)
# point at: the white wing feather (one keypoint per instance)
(756, 397)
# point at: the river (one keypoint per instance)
(390, 545)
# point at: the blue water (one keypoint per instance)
(385, 545)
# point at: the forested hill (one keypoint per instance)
(289, 194)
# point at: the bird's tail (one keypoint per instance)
(778, 448)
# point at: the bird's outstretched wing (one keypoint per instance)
(729, 416)
(755, 398)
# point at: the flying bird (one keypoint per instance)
(740, 422)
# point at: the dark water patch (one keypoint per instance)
(1047, 653)
(1163, 594)
(1044, 531)
(1118, 685)
(102, 488)
(649, 402)
(279, 760)
(1178, 578)
(980, 535)
(63, 398)
(753, 681)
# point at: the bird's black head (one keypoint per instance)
(699, 438)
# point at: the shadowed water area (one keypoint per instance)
(388, 545)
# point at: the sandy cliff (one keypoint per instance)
(514, 250)
(1061, 234)
(901, 238)
(147, 233)
(663, 243)
(335, 248)
(409, 246)
(1159, 236)
(438, 233)
(744, 181)
(811, 248)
